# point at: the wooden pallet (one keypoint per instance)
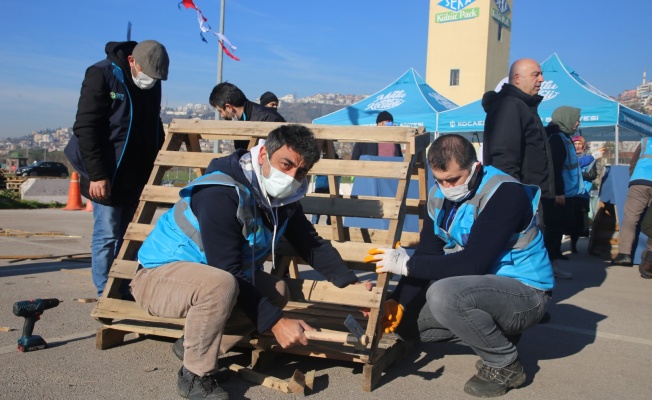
(320, 303)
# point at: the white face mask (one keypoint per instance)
(458, 193)
(143, 81)
(278, 184)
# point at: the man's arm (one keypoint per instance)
(317, 252)
(508, 211)
(504, 140)
(92, 125)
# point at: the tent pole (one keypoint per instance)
(616, 147)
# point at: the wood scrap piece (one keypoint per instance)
(265, 380)
(78, 272)
(24, 256)
(86, 300)
(310, 381)
(297, 382)
(6, 329)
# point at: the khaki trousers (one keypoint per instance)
(639, 197)
(207, 298)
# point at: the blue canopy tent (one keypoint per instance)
(409, 99)
(602, 117)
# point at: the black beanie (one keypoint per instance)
(267, 97)
(384, 116)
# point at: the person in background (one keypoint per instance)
(117, 135)
(480, 274)
(232, 104)
(269, 99)
(588, 167)
(559, 215)
(384, 118)
(639, 198)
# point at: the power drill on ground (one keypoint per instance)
(31, 310)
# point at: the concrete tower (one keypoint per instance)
(468, 47)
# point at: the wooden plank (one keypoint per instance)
(138, 232)
(123, 269)
(371, 169)
(233, 130)
(160, 194)
(322, 291)
(346, 206)
(185, 159)
(374, 236)
(121, 309)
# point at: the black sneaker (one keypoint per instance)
(193, 387)
(493, 382)
(623, 260)
(177, 348)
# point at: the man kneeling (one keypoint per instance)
(480, 273)
(203, 260)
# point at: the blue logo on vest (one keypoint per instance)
(117, 96)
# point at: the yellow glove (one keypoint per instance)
(389, 260)
(392, 317)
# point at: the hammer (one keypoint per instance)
(357, 337)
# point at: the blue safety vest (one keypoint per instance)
(643, 168)
(524, 258)
(573, 183)
(176, 236)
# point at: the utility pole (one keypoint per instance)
(129, 31)
(220, 62)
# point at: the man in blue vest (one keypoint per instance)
(639, 198)
(480, 274)
(203, 260)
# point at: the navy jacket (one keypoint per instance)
(118, 130)
(256, 112)
(515, 140)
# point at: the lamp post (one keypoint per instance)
(220, 62)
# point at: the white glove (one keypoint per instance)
(598, 154)
(389, 260)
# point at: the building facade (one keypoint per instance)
(468, 47)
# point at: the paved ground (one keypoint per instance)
(597, 346)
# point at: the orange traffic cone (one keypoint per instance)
(74, 195)
(89, 206)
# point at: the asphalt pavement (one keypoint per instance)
(598, 344)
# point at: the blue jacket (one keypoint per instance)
(225, 207)
(117, 130)
(642, 174)
(524, 257)
(568, 177)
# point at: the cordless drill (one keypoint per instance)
(31, 310)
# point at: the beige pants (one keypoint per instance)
(206, 296)
(639, 197)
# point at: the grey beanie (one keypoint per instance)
(152, 57)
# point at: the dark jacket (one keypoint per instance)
(515, 140)
(256, 112)
(371, 149)
(224, 249)
(118, 129)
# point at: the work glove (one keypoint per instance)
(389, 260)
(598, 154)
(392, 317)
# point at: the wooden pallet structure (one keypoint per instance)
(318, 302)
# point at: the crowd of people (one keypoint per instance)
(484, 269)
